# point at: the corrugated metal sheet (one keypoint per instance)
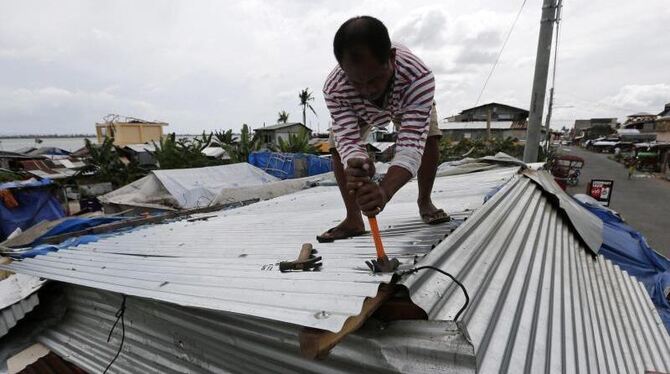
(11, 315)
(17, 297)
(540, 302)
(165, 338)
(228, 262)
(475, 125)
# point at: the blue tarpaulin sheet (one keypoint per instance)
(44, 249)
(77, 224)
(282, 165)
(36, 203)
(627, 248)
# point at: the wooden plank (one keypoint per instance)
(317, 343)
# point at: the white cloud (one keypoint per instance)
(212, 64)
(649, 97)
(425, 28)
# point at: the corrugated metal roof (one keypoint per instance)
(279, 126)
(141, 148)
(17, 297)
(165, 338)
(11, 315)
(475, 125)
(539, 301)
(228, 262)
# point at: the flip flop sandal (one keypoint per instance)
(437, 217)
(331, 238)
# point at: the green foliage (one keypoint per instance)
(283, 117)
(297, 143)
(104, 163)
(7, 175)
(598, 131)
(239, 152)
(450, 151)
(173, 153)
(223, 137)
(305, 97)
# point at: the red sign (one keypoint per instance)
(601, 190)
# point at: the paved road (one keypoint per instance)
(644, 202)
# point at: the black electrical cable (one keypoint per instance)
(502, 48)
(119, 316)
(465, 292)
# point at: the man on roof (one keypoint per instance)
(375, 82)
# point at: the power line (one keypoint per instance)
(502, 48)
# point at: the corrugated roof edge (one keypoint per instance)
(169, 338)
(586, 224)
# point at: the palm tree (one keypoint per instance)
(305, 97)
(297, 143)
(224, 137)
(239, 151)
(283, 117)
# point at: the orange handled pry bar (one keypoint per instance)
(377, 237)
(382, 264)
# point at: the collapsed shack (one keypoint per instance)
(206, 295)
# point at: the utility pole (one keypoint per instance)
(547, 126)
(549, 8)
(553, 78)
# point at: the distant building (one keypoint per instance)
(651, 123)
(272, 134)
(457, 131)
(666, 111)
(506, 121)
(584, 124)
(129, 130)
(142, 153)
(381, 151)
(662, 129)
(643, 121)
(498, 112)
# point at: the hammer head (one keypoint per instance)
(383, 264)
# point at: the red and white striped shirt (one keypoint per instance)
(410, 102)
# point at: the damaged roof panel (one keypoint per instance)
(228, 261)
(539, 300)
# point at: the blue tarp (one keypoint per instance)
(44, 249)
(282, 165)
(627, 248)
(76, 224)
(36, 203)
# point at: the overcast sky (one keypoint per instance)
(217, 64)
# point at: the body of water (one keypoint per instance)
(69, 144)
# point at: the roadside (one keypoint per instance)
(642, 201)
